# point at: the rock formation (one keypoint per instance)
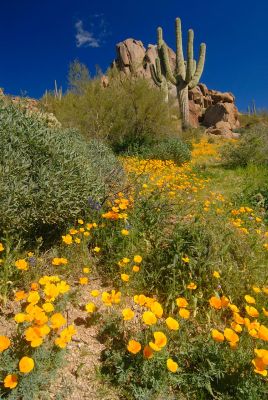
(215, 110)
(211, 108)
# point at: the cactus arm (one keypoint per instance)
(199, 67)
(158, 69)
(194, 68)
(168, 72)
(159, 37)
(180, 66)
(155, 75)
(190, 56)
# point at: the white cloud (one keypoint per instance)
(84, 37)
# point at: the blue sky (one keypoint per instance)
(39, 39)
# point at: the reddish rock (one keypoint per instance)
(204, 89)
(151, 54)
(219, 97)
(196, 95)
(195, 112)
(133, 58)
(226, 112)
(130, 56)
(223, 131)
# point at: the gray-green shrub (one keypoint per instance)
(47, 174)
(169, 149)
(252, 148)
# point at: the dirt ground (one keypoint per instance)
(79, 378)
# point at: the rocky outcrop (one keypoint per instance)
(221, 112)
(216, 110)
(130, 56)
(133, 58)
(211, 108)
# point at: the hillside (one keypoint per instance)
(134, 234)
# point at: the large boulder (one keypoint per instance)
(133, 58)
(130, 56)
(226, 112)
(219, 97)
(222, 129)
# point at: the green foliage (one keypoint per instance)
(215, 372)
(47, 360)
(78, 77)
(127, 112)
(137, 378)
(207, 370)
(250, 120)
(168, 149)
(254, 191)
(252, 147)
(165, 233)
(47, 175)
(209, 246)
(192, 135)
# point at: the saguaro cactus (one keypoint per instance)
(187, 73)
(159, 78)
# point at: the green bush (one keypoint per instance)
(127, 112)
(31, 386)
(169, 149)
(254, 191)
(47, 175)
(248, 121)
(252, 148)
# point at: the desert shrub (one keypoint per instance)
(47, 175)
(251, 148)
(128, 111)
(253, 187)
(169, 149)
(192, 135)
(248, 121)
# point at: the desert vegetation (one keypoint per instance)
(133, 254)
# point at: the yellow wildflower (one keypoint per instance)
(134, 347)
(185, 314)
(67, 239)
(26, 365)
(172, 366)
(172, 324)
(149, 318)
(22, 264)
(90, 307)
(137, 259)
(10, 381)
(191, 286)
(128, 314)
(125, 277)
